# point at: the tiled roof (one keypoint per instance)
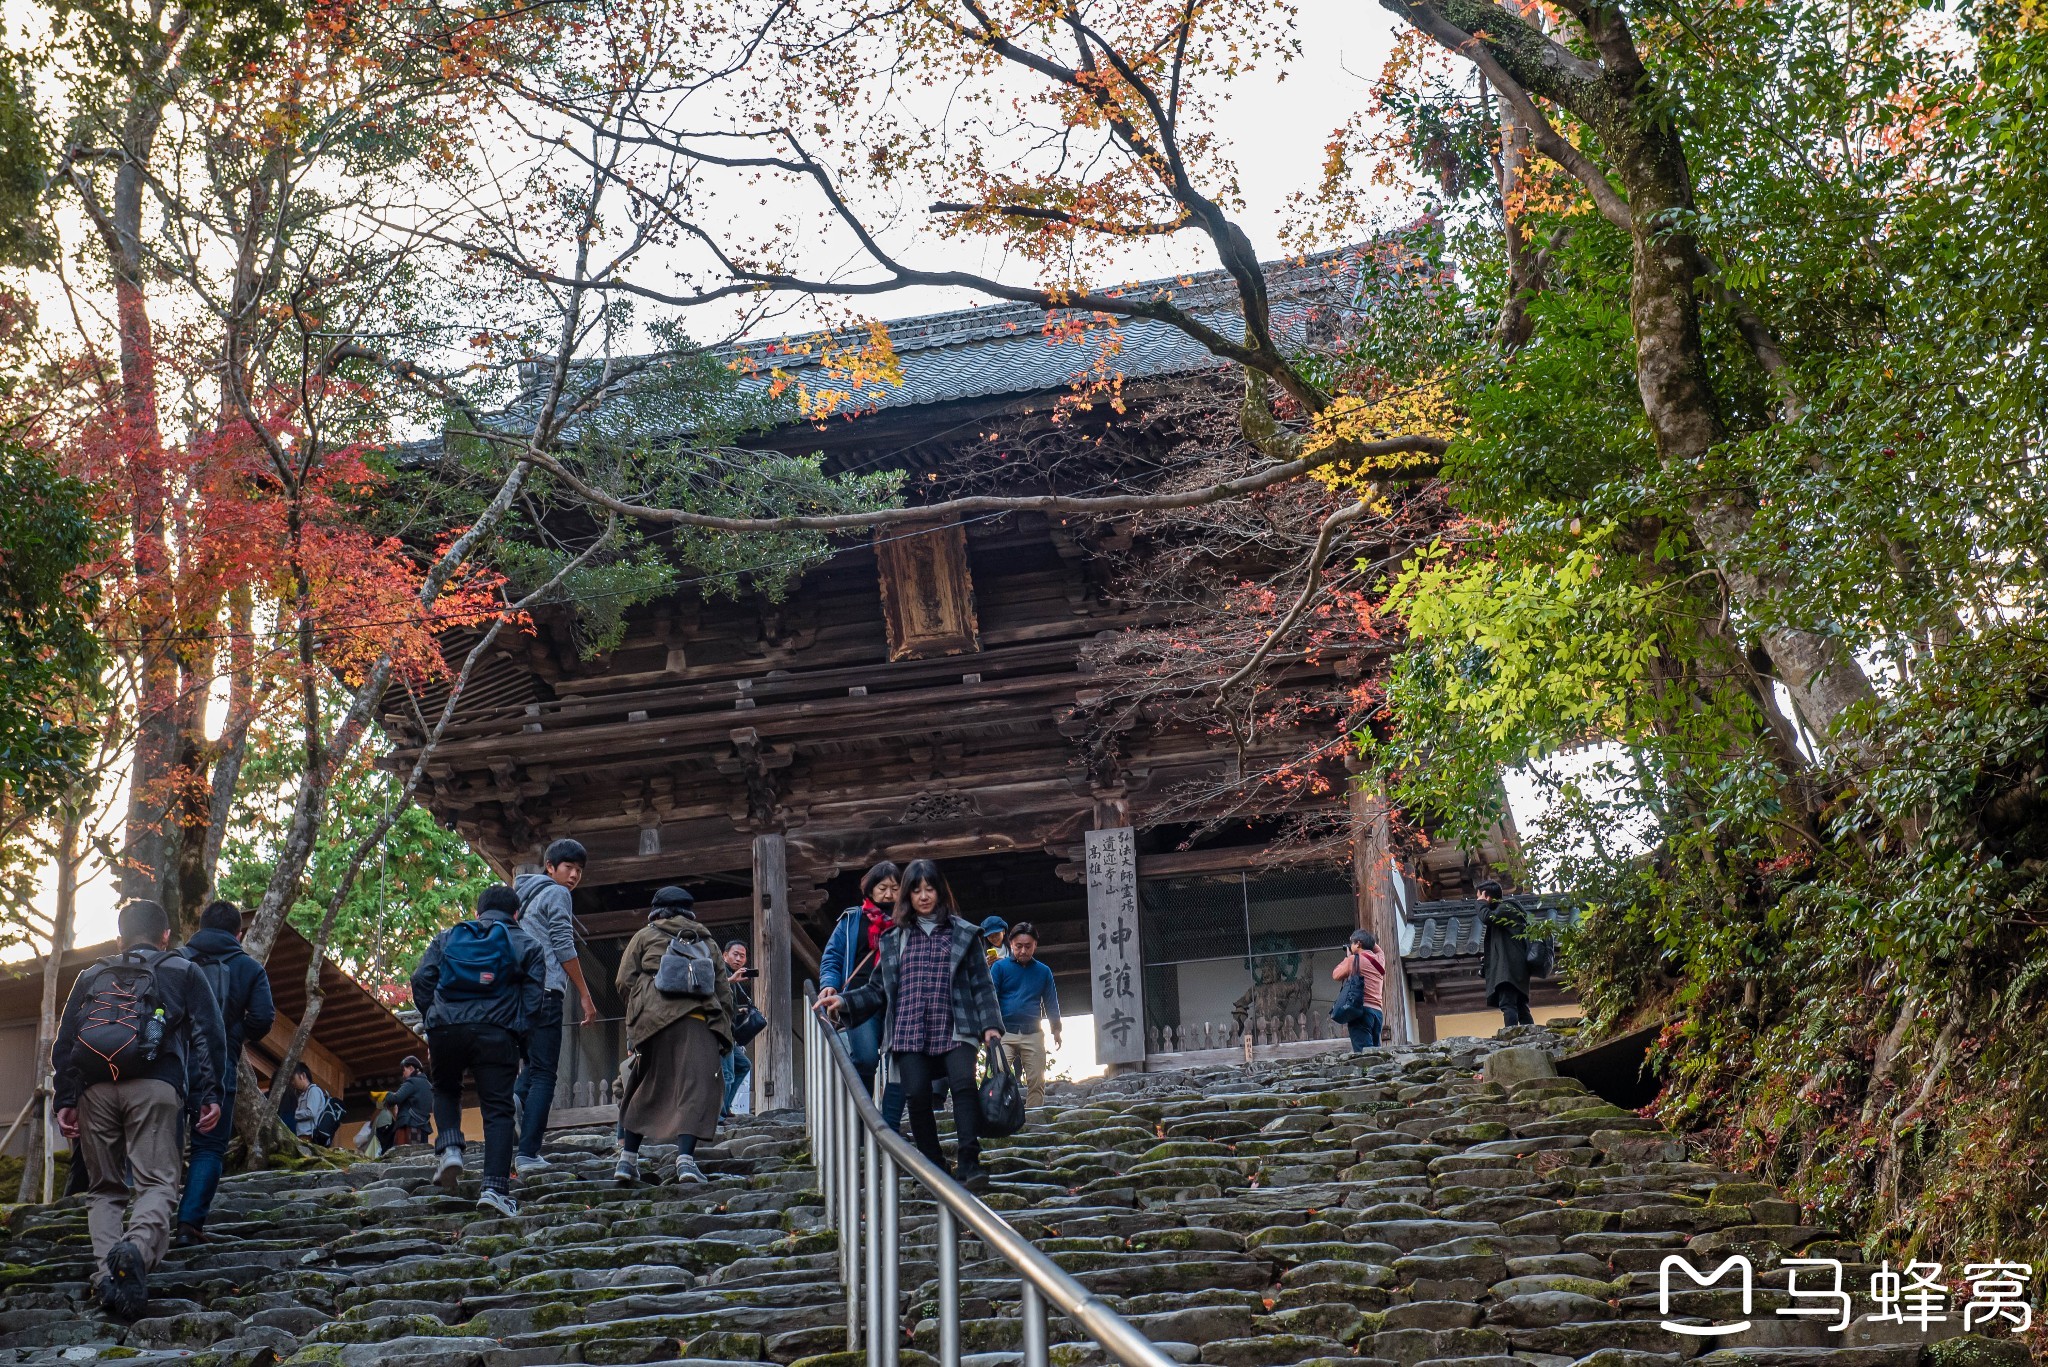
(1004, 350)
(1451, 930)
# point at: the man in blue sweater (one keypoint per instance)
(1026, 995)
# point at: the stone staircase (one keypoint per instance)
(1452, 1204)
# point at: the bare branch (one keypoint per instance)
(1343, 517)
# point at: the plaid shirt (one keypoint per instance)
(924, 993)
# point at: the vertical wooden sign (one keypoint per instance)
(927, 590)
(1117, 981)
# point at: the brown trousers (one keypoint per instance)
(132, 1129)
(1027, 1056)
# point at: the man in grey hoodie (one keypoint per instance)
(547, 914)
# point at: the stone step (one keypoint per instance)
(1412, 1209)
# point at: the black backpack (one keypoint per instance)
(1002, 1099)
(329, 1122)
(688, 968)
(121, 1022)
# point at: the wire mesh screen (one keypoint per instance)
(1237, 953)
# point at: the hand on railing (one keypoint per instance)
(828, 1004)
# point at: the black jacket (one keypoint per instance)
(516, 1001)
(189, 1058)
(412, 1103)
(242, 989)
(1506, 960)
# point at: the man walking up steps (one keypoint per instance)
(141, 1037)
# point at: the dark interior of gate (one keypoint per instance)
(928, 693)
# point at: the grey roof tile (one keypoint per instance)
(1004, 350)
(1451, 930)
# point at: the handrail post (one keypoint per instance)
(949, 1288)
(1035, 1352)
(849, 1238)
(860, 1163)
(891, 1307)
(871, 1182)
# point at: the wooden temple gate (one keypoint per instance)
(923, 694)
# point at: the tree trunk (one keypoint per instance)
(38, 1169)
(1615, 96)
(233, 748)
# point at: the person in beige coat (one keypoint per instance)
(673, 1084)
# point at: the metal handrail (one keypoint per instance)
(857, 1157)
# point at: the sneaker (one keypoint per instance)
(626, 1172)
(687, 1169)
(524, 1164)
(124, 1291)
(448, 1172)
(493, 1199)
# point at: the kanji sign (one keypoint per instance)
(1117, 984)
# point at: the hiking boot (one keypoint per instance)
(448, 1172)
(525, 1164)
(493, 1199)
(626, 1172)
(687, 1170)
(124, 1291)
(191, 1236)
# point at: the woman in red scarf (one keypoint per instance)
(850, 957)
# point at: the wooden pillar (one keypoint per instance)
(1379, 909)
(775, 1082)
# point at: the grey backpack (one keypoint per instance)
(687, 969)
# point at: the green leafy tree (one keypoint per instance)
(1838, 916)
(420, 878)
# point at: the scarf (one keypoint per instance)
(878, 922)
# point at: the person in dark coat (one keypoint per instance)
(676, 1083)
(480, 1027)
(411, 1103)
(1506, 959)
(242, 989)
(938, 1006)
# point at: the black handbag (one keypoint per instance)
(747, 1020)
(1002, 1097)
(1349, 1008)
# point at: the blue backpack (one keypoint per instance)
(477, 959)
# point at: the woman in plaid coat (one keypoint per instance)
(938, 1006)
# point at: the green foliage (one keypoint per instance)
(420, 879)
(50, 659)
(1850, 958)
(668, 435)
(23, 168)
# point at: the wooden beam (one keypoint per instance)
(724, 911)
(1373, 875)
(775, 1085)
(334, 1076)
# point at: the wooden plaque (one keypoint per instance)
(927, 591)
(1115, 958)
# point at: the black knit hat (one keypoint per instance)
(670, 901)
